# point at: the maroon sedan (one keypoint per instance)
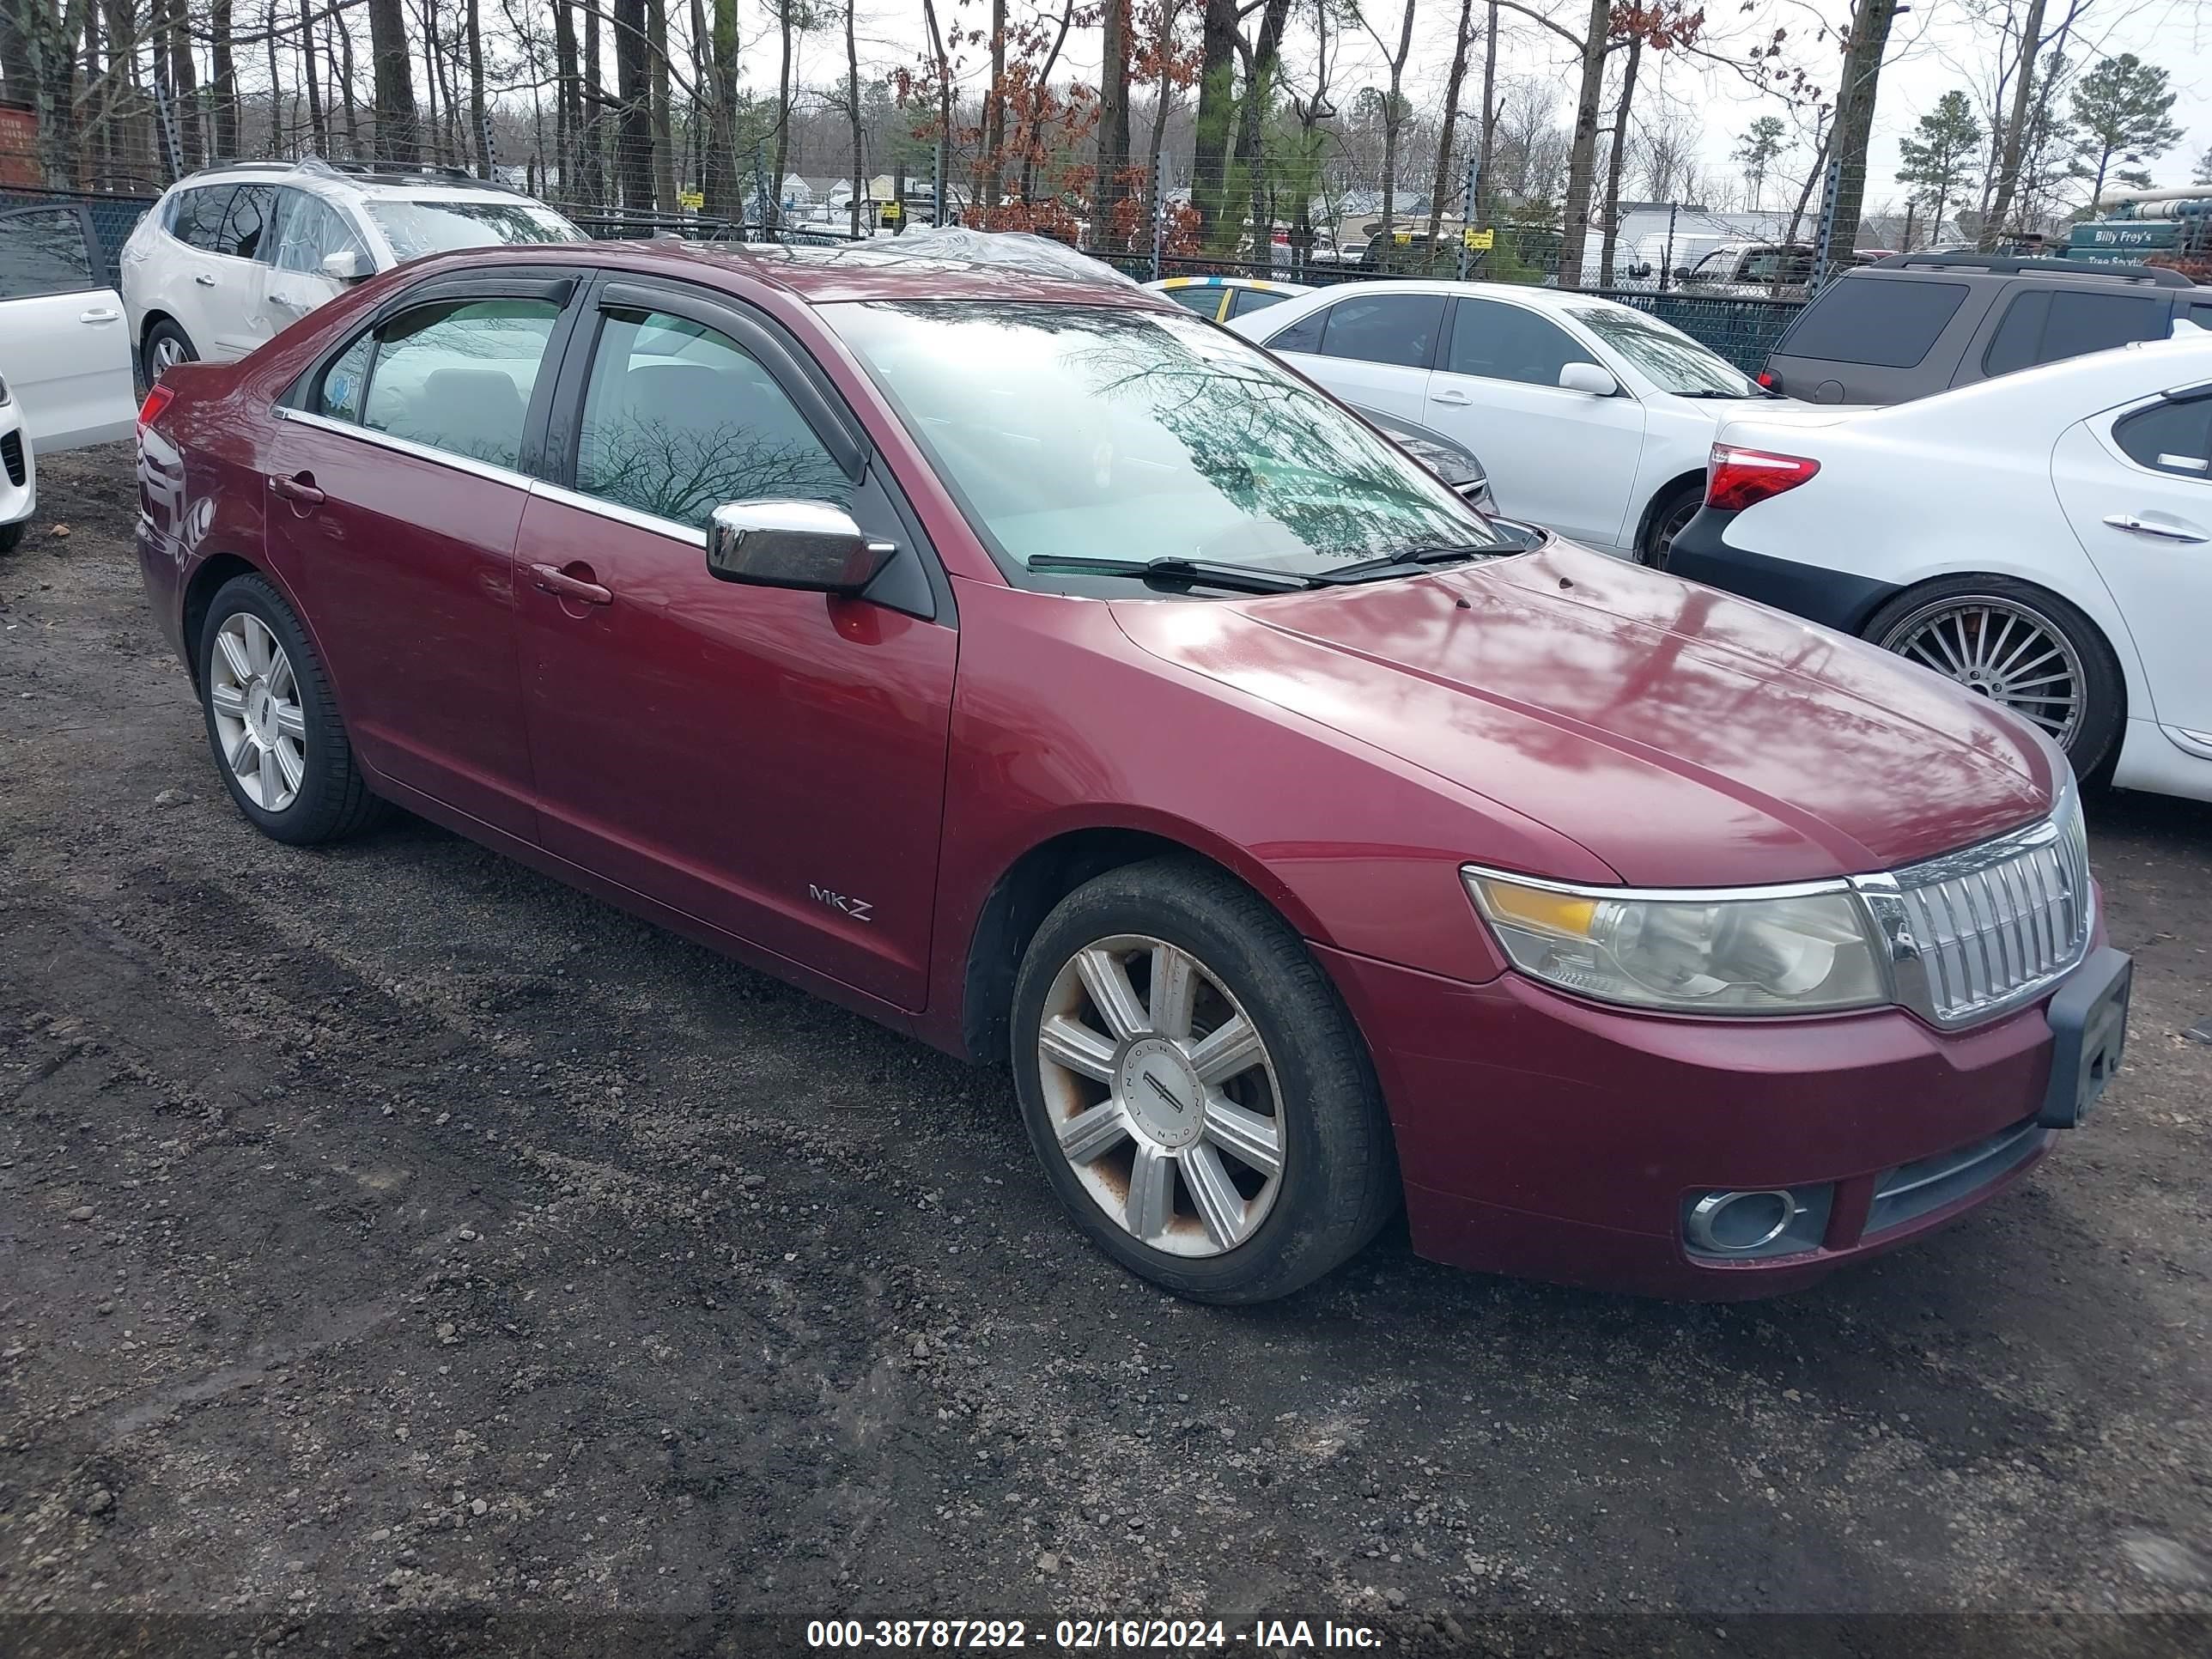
(1046, 672)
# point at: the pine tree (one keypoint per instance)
(1940, 159)
(2124, 111)
(1758, 150)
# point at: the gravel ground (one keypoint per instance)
(387, 1230)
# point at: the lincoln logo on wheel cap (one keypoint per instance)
(1165, 1093)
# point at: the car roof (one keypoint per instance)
(374, 184)
(1520, 293)
(815, 276)
(1166, 283)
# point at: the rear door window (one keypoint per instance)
(454, 374)
(2047, 325)
(1883, 322)
(44, 250)
(246, 223)
(2175, 437)
(1303, 335)
(1249, 300)
(1400, 330)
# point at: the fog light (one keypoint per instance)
(1737, 1224)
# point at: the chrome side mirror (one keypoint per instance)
(347, 265)
(811, 545)
(1589, 377)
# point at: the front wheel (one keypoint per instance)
(2019, 646)
(11, 535)
(1198, 1095)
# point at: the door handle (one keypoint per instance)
(553, 581)
(203, 279)
(300, 489)
(2164, 533)
(288, 302)
(99, 314)
(1448, 396)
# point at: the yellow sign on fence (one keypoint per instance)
(1478, 240)
(691, 200)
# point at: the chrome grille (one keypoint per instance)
(1988, 927)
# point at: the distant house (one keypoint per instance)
(796, 191)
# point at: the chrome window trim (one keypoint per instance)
(673, 530)
(1665, 894)
(406, 446)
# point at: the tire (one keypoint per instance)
(1980, 607)
(1665, 523)
(163, 337)
(300, 783)
(1312, 1085)
(11, 535)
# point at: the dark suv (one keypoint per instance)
(1920, 323)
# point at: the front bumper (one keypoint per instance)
(1834, 598)
(1547, 1138)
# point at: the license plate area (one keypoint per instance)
(2089, 1034)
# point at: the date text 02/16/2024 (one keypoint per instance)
(1085, 1635)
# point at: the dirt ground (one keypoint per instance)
(387, 1230)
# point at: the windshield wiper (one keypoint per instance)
(1429, 553)
(1173, 571)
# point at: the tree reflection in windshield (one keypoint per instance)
(1097, 431)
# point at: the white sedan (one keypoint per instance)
(65, 352)
(2045, 539)
(1594, 419)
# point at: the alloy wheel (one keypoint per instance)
(1162, 1096)
(168, 352)
(1663, 533)
(260, 726)
(2008, 653)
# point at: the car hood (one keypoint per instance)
(1684, 737)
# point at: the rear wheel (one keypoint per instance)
(2019, 646)
(167, 345)
(1200, 1100)
(1666, 522)
(12, 534)
(278, 743)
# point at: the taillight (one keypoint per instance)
(156, 405)
(1738, 477)
(1766, 378)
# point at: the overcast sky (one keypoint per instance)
(1935, 46)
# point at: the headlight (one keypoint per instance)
(1796, 950)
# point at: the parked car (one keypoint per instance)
(2042, 541)
(1748, 268)
(1219, 298)
(1455, 463)
(65, 353)
(232, 257)
(1916, 324)
(1047, 672)
(1595, 419)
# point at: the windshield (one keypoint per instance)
(415, 228)
(1669, 358)
(1096, 432)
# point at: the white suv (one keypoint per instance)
(232, 257)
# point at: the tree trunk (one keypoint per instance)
(664, 135)
(723, 193)
(1483, 193)
(634, 114)
(853, 108)
(1113, 122)
(1216, 122)
(1462, 42)
(991, 175)
(318, 134)
(782, 114)
(1581, 154)
(1614, 160)
(398, 134)
(225, 82)
(479, 117)
(1854, 121)
(1393, 119)
(2023, 85)
(278, 104)
(594, 135)
(568, 101)
(1263, 71)
(184, 85)
(1820, 171)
